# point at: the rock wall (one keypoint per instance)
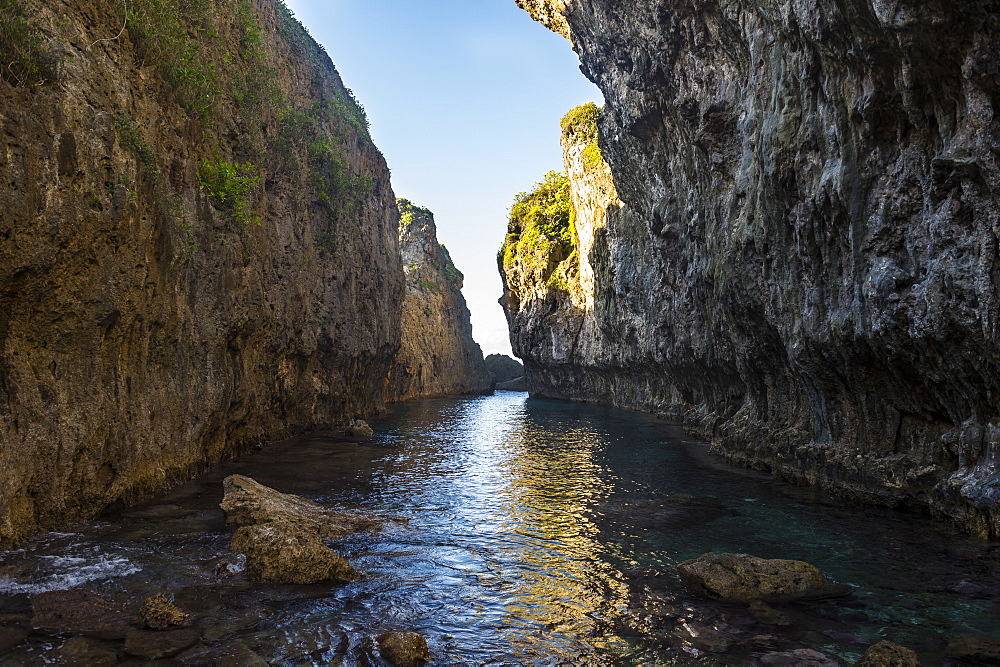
(804, 263)
(438, 356)
(198, 249)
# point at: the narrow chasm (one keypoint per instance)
(754, 419)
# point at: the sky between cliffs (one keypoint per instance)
(464, 99)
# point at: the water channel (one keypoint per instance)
(527, 532)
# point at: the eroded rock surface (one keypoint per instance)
(438, 356)
(887, 654)
(797, 249)
(279, 553)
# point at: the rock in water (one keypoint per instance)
(359, 428)
(403, 649)
(745, 578)
(887, 654)
(247, 503)
(284, 554)
(158, 613)
(802, 657)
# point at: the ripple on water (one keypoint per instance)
(537, 532)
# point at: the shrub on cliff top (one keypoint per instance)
(21, 61)
(581, 124)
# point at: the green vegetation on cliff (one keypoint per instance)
(581, 124)
(21, 59)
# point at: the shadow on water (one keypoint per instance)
(536, 532)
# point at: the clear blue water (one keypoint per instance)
(530, 532)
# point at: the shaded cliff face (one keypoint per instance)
(198, 250)
(438, 356)
(805, 262)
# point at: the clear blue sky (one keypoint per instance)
(464, 99)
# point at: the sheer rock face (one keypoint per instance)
(805, 261)
(438, 356)
(144, 332)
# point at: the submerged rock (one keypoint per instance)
(158, 613)
(247, 503)
(403, 649)
(678, 510)
(974, 650)
(156, 645)
(277, 553)
(887, 654)
(85, 651)
(11, 637)
(762, 612)
(745, 578)
(359, 428)
(802, 657)
(78, 611)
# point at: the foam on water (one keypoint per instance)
(80, 563)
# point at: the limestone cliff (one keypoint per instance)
(804, 261)
(438, 356)
(198, 247)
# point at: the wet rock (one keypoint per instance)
(158, 613)
(803, 657)
(86, 651)
(705, 638)
(403, 649)
(11, 637)
(281, 554)
(156, 645)
(78, 611)
(887, 654)
(674, 511)
(359, 428)
(745, 578)
(247, 503)
(764, 613)
(974, 650)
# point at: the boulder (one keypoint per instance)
(887, 654)
(279, 553)
(78, 611)
(745, 578)
(974, 650)
(403, 649)
(158, 613)
(359, 428)
(247, 503)
(85, 651)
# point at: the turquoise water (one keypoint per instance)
(528, 532)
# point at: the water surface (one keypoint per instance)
(529, 532)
